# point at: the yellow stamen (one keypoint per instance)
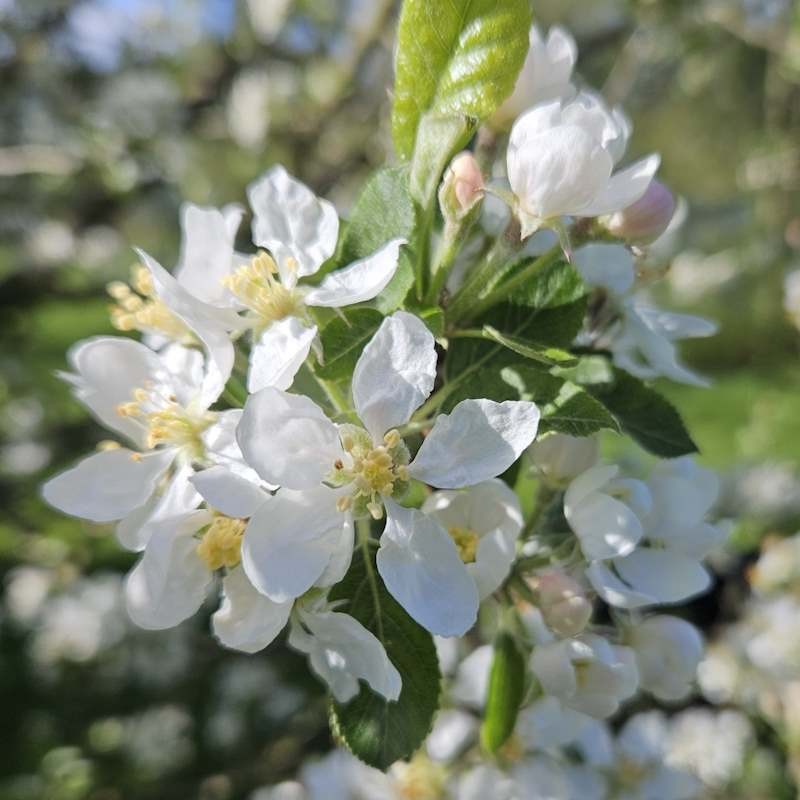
(257, 286)
(466, 541)
(221, 545)
(167, 422)
(138, 308)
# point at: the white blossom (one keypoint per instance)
(561, 158)
(668, 651)
(545, 75)
(159, 404)
(605, 512)
(289, 441)
(668, 570)
(586, 673)
(560, 458)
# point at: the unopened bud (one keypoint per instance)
(562, 603)
(560, 458)
(462, 187)
(645, 220)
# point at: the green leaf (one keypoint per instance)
(384, 210)
(550, 327)
(566, 408)
(343, 339)
(504, 696)
(545, 355)
(645, 416)
(438, 139)
(375, 730)
(433, 317)
(456, 58)
(557, 284)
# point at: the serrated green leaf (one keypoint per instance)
(566, 407)
(375, 730)
(542, 354)
(557, 284)
(505, 692)
(384, 210)
(343, 339)
(645, 416)
(457, 58)
(540, 329)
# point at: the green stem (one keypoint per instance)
(235, 392)
(443, 265)
(363, 528)
(485, 274)
(544, 495)
(507, 288)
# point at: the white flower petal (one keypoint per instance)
(171, 580)
(288, 439)
(422, 570)
(207, 250)
(614, 591)
(491, 510)
(360, 281)
(179, 497)
(228, 492)
(292, 222)
(210, 324)
(290, 541)
(107, 485)
(108, 369)
(605, 526)
(478, 440)
(667, 576)
(278, 354)
(342, 555)
(344, 651)
(247, 620)
(609, 266)
(395, 373)
(624, 188)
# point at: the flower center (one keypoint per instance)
(167, 422)
(420, 779)
(373, 471)
(258, 287)
(466, 541)
(221, 545)
(138, 308)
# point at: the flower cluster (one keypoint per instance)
(301, 414)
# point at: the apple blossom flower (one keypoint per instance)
(586, 673)
(605, 512)
(562, 602)
(668, 651)
(561, 158)
(668, 570)
(462, 187)
(642, 342)
(559, 458)
(646, 219)
(484, 521)
(348, 470)
(342, 651)
(300, 231)
(642, 766)
(545, 75)
(159, 403)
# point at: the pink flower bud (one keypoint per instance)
(462, 187)
(645, 220)
(562, 603)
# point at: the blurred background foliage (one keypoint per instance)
(114, 111)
